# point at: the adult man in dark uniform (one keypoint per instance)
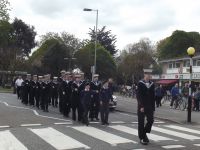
(44, 94)
(26, 89)
(60, 92)
(146, 106)
(38, 92)
(95, 105)
(54, 92)
(32, 90)
(75, 99)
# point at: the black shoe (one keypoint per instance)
(103, 123)
(143, 142)
(106, 123)
(146, 139)
(97, 119)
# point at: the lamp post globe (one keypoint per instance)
(191, 51)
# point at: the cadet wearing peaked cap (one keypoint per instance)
(146, 106)
(54, 92)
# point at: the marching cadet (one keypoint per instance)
(75, 99)
(95, 105)
(105, 97)
(66, 94)
(60, 93)
(48, 82)
(54, 92)
(44, 94)
(26, 89)
(83, 81)
(18, 84)
(38, 91)
(146, 106)
(86, 96)
(32, 90)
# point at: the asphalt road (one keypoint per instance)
(26, 128)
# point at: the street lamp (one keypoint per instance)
(95, 50)
(191, 52)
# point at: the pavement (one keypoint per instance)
(27, 128)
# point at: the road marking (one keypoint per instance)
(9, 142)
(95, 122)
(103, 135)
(172, 146)
(174, 133)
(196, 144)
(115, 122)
(183, 129)
(4, 127)
(34, 111)
(57, 139)
(127, 114)
(138, 149)
(29, 125)
(156, 122)
(135, 132)
(62, 123)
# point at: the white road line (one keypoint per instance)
(183, 129)
(196, 144)
(135, 132)
(117, 122)
(9, 142)
(103, 135)
(127, 115)
(29, 125)
(94, 122)
(156, 122)
(172, 146)
(138, 149)
(62, 123)
(34, 111)
(174, 133)
(57, 139)
(4, 127)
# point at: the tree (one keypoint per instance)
(176, 45)
(106, 39)
(106, 66)
(24, 38)
(4, 10)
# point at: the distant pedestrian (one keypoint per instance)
(146, 106)
(159, 93)
(174, 93)
(197, 99)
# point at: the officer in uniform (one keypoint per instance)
(146, 106)
(95, 105)
(66, 94)
(38, 91)
(75, 99)
(26, 89)
(44, 94)
(32, 90)
(54, 92)
(60, 92)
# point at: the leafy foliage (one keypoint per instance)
(4, 10)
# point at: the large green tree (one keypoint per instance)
(176, 45)
(106, 39)
(4, 9)
(106, 66)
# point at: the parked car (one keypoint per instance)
(113, 103)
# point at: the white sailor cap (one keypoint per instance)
(147, 71)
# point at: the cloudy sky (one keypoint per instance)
(129, 20)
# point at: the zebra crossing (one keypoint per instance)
(170, 136)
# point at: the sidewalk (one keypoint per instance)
(129, 105)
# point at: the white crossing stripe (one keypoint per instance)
(135, 132)
(172, 146)
(4, 127)
(155, 122)
(29, 125)
(9, 142)
(103, 135)
(196, 144)
(116, 122)
(174, 133)
(57, 139)
(61, 123)
(183, 129)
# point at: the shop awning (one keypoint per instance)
(166, 82)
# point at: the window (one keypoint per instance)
(177, 65)
(170, 65)
(186, 64)
(198, 63)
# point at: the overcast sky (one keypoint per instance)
(129, 20)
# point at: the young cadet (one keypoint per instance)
(86, 96)
(54, 92)
(105, 97)
(38, 92)
(26, 89)
(146, 106)
(32, 90)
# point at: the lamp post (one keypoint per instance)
(191, 52)
(95, 50)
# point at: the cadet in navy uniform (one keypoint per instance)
(66, 91)
(75, 99)
(37, 91)
(86, 96)
(32, 90)
(60, 93)
(146, 106)
(105, 97)
(44, 94)
(54, 92)
(26, 89)
(95, 105)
